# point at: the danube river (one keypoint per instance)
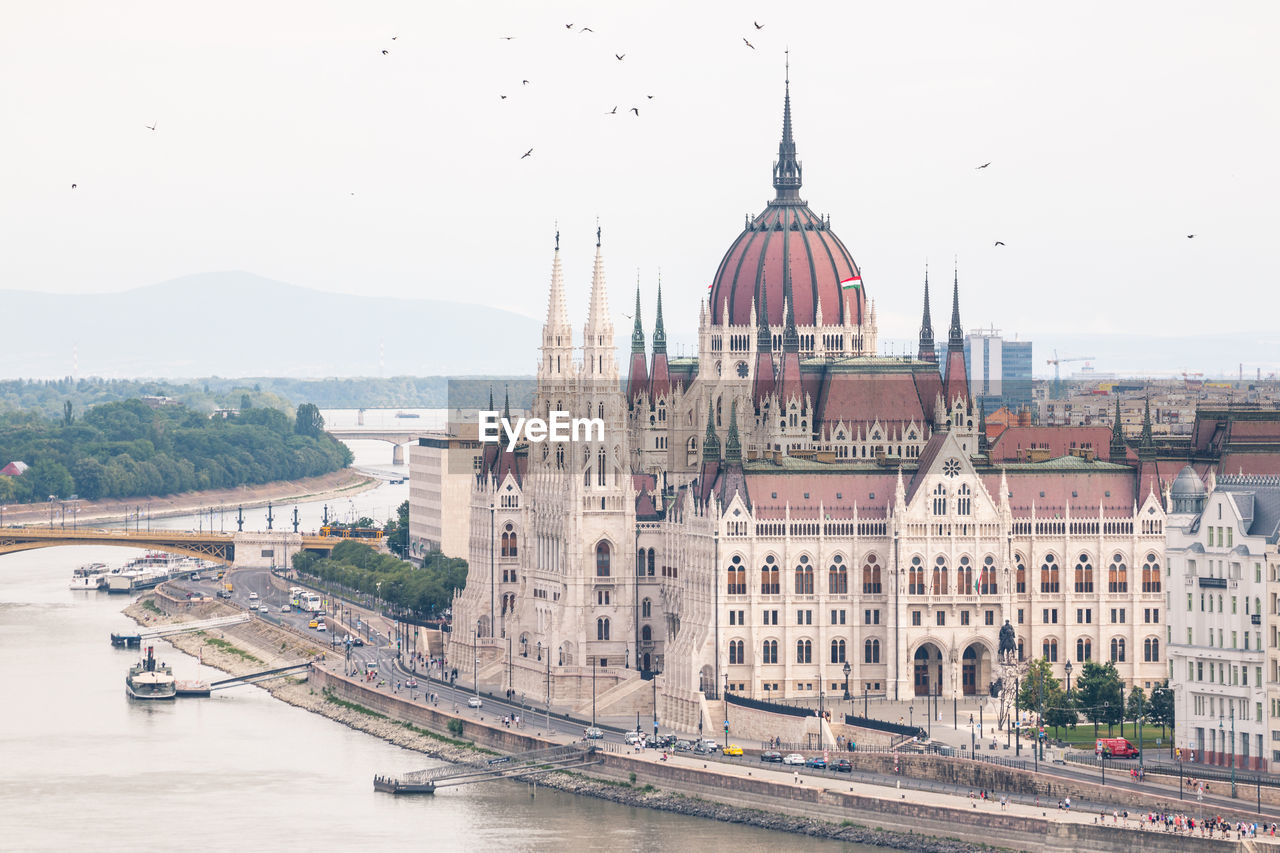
(84, 768)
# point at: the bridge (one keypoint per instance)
(520, 765)
(397, 437)
(264, 549)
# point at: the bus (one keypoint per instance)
(305, 599)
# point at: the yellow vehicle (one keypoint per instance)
(732, 749)
(313, 623)
(228, 587)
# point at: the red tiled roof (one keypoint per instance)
(1014, 442)
(862, 398)
(835, 492)
(1236, 463)
(1053, 491)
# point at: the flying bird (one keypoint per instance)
(984, 165)
(612, 112)
(73, 186)
(998, 243)
(586, 30)
(620, 56)
(650, 97)
(1189, 236)
(568, 26)
(759, 26)
(635, 110)
(526, 154)
(385, 52)
(524, 82)
(748, 44)
(393, 38)
(152, 126)
(503, 97)
(505, 38)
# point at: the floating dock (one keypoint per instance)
(193, 688)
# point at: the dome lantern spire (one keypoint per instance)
(787, 169)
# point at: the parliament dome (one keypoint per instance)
(788, 248)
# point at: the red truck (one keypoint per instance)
(1115, 747)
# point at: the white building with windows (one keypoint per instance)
(1222, 560)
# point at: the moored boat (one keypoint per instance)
(89, 576)
(150, 680)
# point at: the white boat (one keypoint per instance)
(150, 680)
(90, 576)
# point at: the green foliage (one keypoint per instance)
(356, 566)
(1099, 689)
(1040, 678)
(128, 449)
(1137, 704)
(1160, 710)
(308, 421)
(455, 727)
(397, 531)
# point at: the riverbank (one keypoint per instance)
(342, 483)
(865, 813)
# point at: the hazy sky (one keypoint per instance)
(1113, 131)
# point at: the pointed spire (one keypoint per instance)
(710, 443)
(506, 404)
(1117, 437)
(764, 336)
(659, 331)
(637, 333)
(927, 350)
(787, 170)
(1004, 488)
(790, 337)
(983, 446)
(955, 337)
(732, 447)
(1147, 441)
(491, 398)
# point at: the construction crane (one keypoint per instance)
(1057, 377)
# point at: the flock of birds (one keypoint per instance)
(619, 57)
(635, 110)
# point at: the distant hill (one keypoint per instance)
(240, 324)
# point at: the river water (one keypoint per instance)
(84, 768)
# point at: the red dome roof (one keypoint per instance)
(787, 244)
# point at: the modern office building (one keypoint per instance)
(999, 370)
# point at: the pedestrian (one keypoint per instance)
(796, 776)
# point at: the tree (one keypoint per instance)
(1160, 710)
(1100, 691)
(245, 403)
(49, 478)
(309, 421)
(397, 531)
(66, 413)
(1137, 704)
(1039, 677)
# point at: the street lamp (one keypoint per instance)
(847, 670)
(1067, 667)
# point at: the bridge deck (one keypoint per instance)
(264, 675)
(485, 770)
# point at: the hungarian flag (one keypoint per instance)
(854, 283)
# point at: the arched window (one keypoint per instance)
(737, 652)
(770, 652)
(640, 563)
(837, 651)
(915, 577)
(964, 578)
(804, 651)
(1049, 575)
(804, 577)
(871, 651)
(602, 628)
(602, 560)
(600, 466)
(646, 608)
(940, 585)
(1084, 650)
(646, 634)
(837, 576)
(1084, 574)
(1117, 650)
(940, 500)
(652, 558)
(964, 503)
(1151, 574)
(871, 575)
(1151, 649)
(1117, 575)
(1050, 649)
(737, 575)
(1020, 573)
(770, 582)
(987, 584)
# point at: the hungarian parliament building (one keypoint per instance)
(792, 513)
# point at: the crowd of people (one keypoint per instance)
(1210, 827)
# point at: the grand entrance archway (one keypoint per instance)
(975, 669)
(928, 670)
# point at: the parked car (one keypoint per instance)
(356, 641)
(320, 626)
(412, 684)
(592, 733)
(253, 596)
(632, 737)
(701, 748)
(732, 749)
(262, 608)
(843, 766)
(711, 743)
(771, 757)
(683, 746)
(474, 702)
(284, 608)
(666, 741)
(795, 759)
(817, 763)
(313, 623)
